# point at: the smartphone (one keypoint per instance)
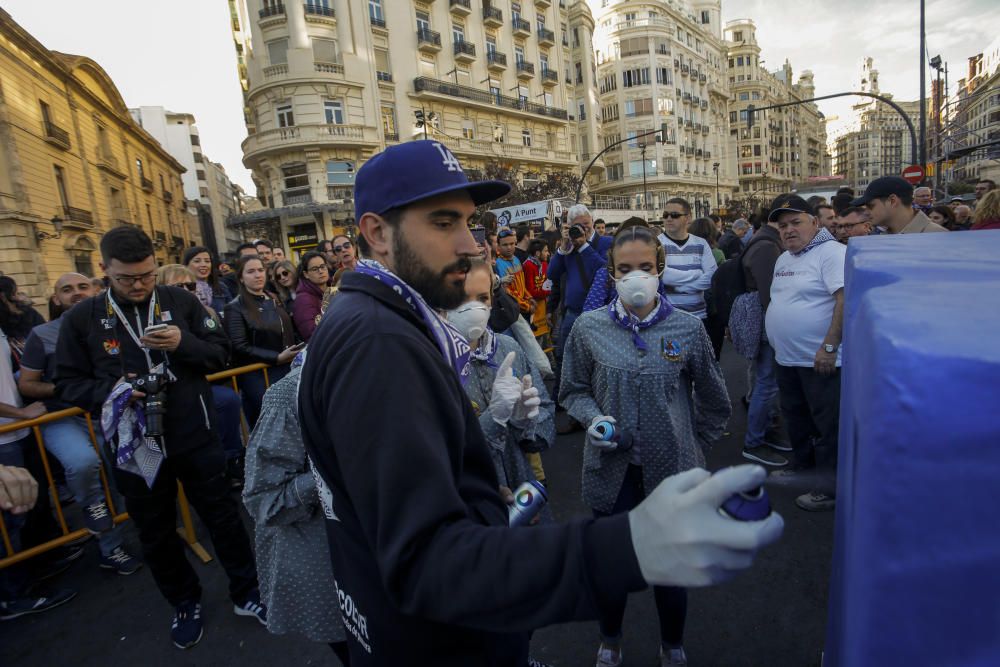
(479, 233)
(155, 328)
(296, 347)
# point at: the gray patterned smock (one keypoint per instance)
(673, 397)
(508, 444)
(293, 555)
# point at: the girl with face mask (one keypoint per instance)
(514, 409)
(648, 370)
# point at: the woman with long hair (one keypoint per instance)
(314, 276)
(211, 291)
(17, 316)
(647, 369)
(942, 215)
(705, 228)
(285, 279)
(987, 215)
(260, 332)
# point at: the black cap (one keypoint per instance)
(791, 203)
(881, 188)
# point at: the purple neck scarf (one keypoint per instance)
(487, 350)
(450, 341)
(626, 320)
(822, 236)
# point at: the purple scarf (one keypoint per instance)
(821, 237)
(450, 341)
(487, 350)
(626, 320)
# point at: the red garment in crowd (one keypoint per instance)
(992, 223)
(535, 274)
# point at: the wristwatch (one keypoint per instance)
(830, 349)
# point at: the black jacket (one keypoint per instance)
(730, 244)
(758, 262)
(87, 370)
(427, 569)
(257, 343)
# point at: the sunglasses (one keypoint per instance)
(673, 216)
(191, 287)
(344, 246)
(283, 274)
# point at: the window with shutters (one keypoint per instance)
(325, 50)
(277, 51)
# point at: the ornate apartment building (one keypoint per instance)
(877, 141)
(328, 83)
(975, 118)
(785, 147)
(73, 164)
(660, 66)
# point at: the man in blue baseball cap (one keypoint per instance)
(427, 570)
(889, 201)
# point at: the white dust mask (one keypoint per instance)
(470, 319)
(637, 288)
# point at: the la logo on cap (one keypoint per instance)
(448, 159)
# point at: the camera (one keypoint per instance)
(154, 385)
(576, 232)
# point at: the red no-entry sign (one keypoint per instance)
(913, 174)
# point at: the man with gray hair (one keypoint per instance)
(579, 214)
(923, 200)
(735, 238)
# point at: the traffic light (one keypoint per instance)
(664, 127)
(750, 113)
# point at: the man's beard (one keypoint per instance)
(437, 290)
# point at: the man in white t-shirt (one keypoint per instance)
(804, 326)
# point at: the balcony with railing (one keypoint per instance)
(525, 70)
(550, 77)
(317, 134)
(106, 161)
(543, 4)
(271, 15)
(147, 184)
(496, 61)
(460, 7)
(275, 70)
(465, 52)
(428, 40)
(546, 37)
(520, 27)
(376, 22)
(390, 136)
(168, 196)
(56, 136)
(383, 77)
(437, 87)
(485, 147)
(328, 67)
(319, 10)
(492, 17)
(293, 196)
(77, 215)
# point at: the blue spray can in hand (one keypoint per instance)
(610, 433)
(752, 505)
(529, 499)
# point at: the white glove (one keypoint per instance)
(594, 438)
(506, 391)
(526, 409)
(679, 537)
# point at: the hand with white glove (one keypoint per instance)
(681, 539)
(526, 409)
(506, 391)
(594, 437)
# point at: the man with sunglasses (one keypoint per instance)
(690, 263)
(104, 343)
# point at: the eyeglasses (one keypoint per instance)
(343, 246)
(191, 287)
(673, 216)
(129, 281)
(319, 268)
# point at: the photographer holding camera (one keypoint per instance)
(148, 349)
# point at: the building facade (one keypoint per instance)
(329, 83)
(73, 164)
(661, 68)
(785, 147)
(975, 119)
(207, 188)
(877, 141)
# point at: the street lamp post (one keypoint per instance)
(579, 186)
(718, 197)
(645, 201)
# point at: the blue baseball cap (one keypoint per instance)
(412, 171)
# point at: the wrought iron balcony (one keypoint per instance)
(428, 40)
(463, 7)
(146, 183)
(464, 51)
(550, 77)
(425, 84)
(496, 60)
(272, 10)
(546, 37)
(492, 17)
(377, 22)
(168, 196)
(525, 69)
(521, 27)
(56, 135)
(385, 77)
(319, 10)
(78, 215)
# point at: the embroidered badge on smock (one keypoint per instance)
(112, 347)
(475, 406)
(670, 349)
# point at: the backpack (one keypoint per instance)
(728, 282)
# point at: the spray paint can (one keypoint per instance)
(752, 505)
(609, 433)
(529, 499)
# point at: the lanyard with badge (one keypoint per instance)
(115, 315)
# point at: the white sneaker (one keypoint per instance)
(609, 656)
(673, 656)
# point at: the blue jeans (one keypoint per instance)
(69, 441)
(765, 389)
(227, 412)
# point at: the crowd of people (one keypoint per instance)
(414, 371)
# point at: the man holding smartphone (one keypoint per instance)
(161, 342)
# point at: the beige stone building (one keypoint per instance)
(876, 142)
(660, 64)
(786, 147)
(974, 120)
(73, 164)
(330, 82)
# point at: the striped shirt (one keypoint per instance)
(688, 273)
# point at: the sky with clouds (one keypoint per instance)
(180, 54)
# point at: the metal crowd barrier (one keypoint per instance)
(186, 530)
